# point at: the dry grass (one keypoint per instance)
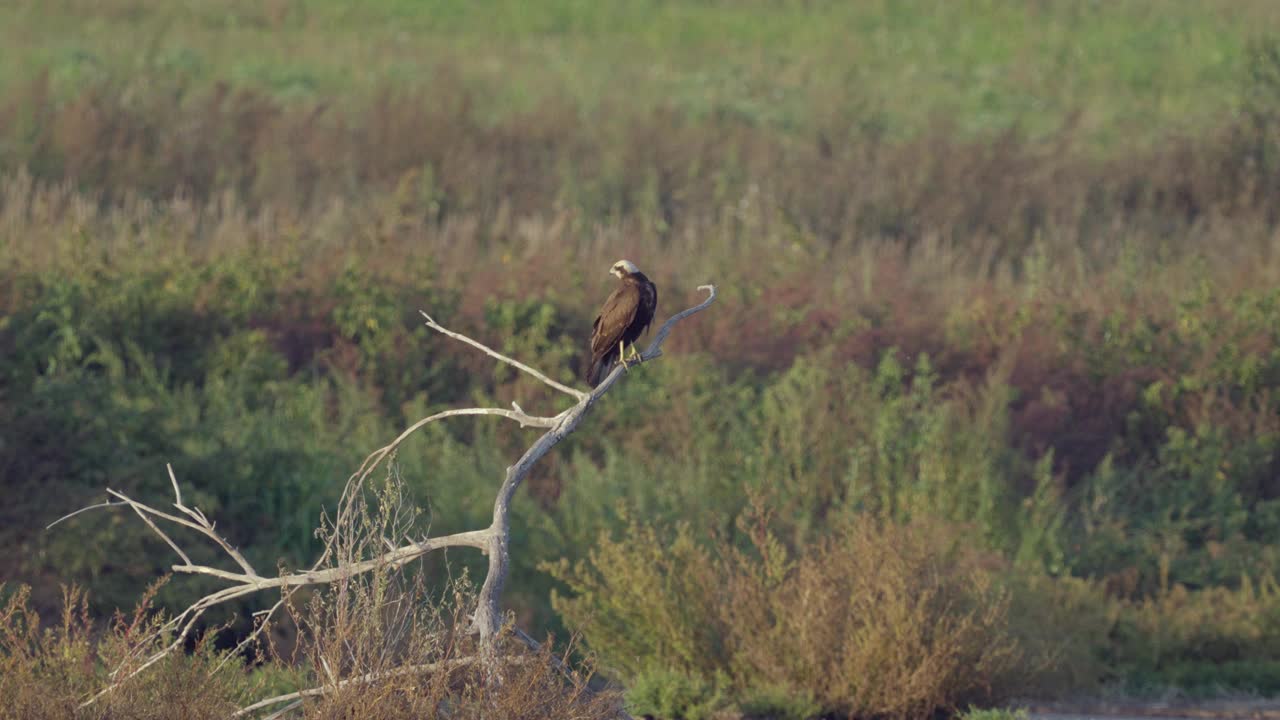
(48, 671)
(376, 646)
(426, 160)
(381, 645)
(876, 620)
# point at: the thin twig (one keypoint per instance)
(358, 680)
(431, 323)
(377, 456)
(654, 351)
(252, 636)
(208, 527)
(283, 711)
(251, 584)
(177, 491)
(96, 506)
(200, 525)
(159, 532)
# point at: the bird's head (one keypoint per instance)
(623, 268)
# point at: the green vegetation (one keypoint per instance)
(1130, 67)
(995, 715)
(971, 397)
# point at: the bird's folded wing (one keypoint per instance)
(616, 316)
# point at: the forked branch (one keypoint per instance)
(344, 556)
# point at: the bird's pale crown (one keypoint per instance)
(624, 267)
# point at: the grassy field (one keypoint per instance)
(1132, 70)
(991, 388)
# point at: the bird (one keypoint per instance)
(625, 315)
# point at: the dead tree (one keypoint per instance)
(336, 563)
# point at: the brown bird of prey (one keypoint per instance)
(623, 318)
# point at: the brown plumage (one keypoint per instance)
(622, 319)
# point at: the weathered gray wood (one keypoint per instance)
(494, 540)
(489, 608)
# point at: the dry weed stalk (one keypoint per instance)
(348, 542)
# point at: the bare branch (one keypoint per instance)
(177, 491)
(200, 524)
(376, 457)
(518, 415)
(159, 532)
(95, 506)
(263, 624)
(358, 680)
(431, 323)
(488, 611)
(249, 585)
(197, 522)
(283, 711)
(396, 558)
(349, 551)
(654, 351)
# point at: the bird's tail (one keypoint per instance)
(596, 370)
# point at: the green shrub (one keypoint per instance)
(1198, 512)
(667, 693)
(994, 714)
(878, 618)
(663, 582)
(1064, 627)
(1208, 639)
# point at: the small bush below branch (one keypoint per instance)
(877, 619)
